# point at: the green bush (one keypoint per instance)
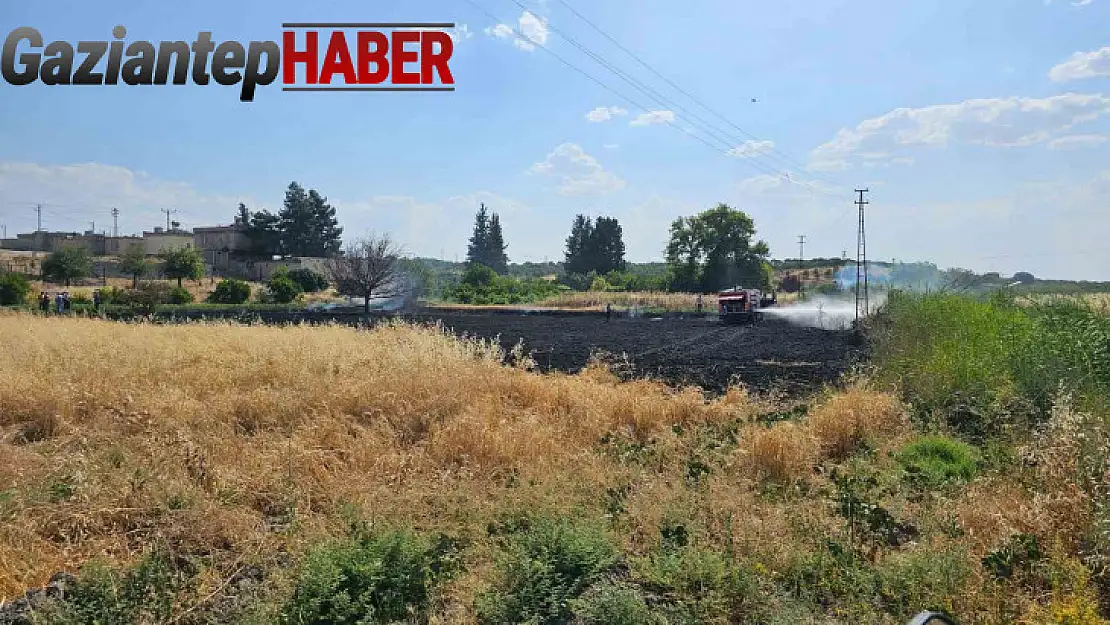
(309, 280)
(384, 578)
(924, 580)
(113, 295)
(14, 288)
(230, 292)
(933, 461)
(834, 580)
(282, 289)
(701, 586)
(613, 603)
(542, 568)
(101, 595)
(180, 295)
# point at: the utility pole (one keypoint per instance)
(115, 223)
(39, 239)
(92, 227)
(38, 209)
(801, 249)
(861, 259)
(168, 212)
(5, 227)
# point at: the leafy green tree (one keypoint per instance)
(264, 234)
(183, 263)
(714, 250)
(134, 263)
(309, 280)
(67, 264)
(230, 292)
(14, 288)
(594, 247)
(495, 252)
(308, 224)
(243, 218)
(577, 257)
(476, 251)
(282, 288)
(479, 275)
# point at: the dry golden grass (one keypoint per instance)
(237, 443)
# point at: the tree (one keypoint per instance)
(67, 264)
(182, 263)
(243, 218)
(134, 263)
(479, 241)
(714, 250)
(366, 266)
(307, 224)
(495, 247)
(1024, 277)
(230, 292)
(607, 246)
(282, 288)
(308, 280)
(264, 234)
(577, 257)
(14, 288)
(594, 247)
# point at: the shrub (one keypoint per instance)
(145, 594)
(230, 292)
(613, 603)
(383, 578)
(309, 280)
(701, 586)
(113, 295)
(926, 579)
(14, 288)
(933, 461)
(180, 295)
(543, 568)
(785, 452)
(282, 289)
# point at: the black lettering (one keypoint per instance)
(202, 47)
(115, 57)
(85, 74)
(252, 76)
(180, 51)
(30, 60)
(57, 70)
(139, 70)
(229, 55)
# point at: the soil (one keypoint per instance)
(770, 355)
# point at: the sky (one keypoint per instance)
(980, 127)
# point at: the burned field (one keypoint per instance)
(767, 356)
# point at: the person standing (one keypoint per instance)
(44, 302)
(65, 301)
(59, 302)
(96, 301)
(699, 303)
(608, 312)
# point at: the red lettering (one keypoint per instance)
(430, 59)
(402, 56)
(337, 60)
(378, 56)
(290, 56)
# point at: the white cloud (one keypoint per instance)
(653, 117)
(578, 172)
(532, 31)
(1083, 65)
(75, 194)
(605, 113)
(611, 146)
(1071, 142)
(751, 149)
(998, 122)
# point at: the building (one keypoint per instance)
(161, 240)
(221, 244)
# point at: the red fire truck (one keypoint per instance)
(740, 305)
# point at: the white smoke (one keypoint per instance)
(826, 313)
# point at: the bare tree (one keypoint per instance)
(366, 267)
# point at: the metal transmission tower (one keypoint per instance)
(115, 222)
(862, 303)
(168, 212)
(801, 249)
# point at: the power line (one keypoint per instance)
(774, 151)
(601, 84)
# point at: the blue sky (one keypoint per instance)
(980, 127)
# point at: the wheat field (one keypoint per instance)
(240, 443)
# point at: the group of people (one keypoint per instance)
(61, 302)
